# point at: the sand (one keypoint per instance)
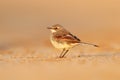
(41, 62)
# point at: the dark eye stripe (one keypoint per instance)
(56, 28)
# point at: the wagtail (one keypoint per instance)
(63, 39)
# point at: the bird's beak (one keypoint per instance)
(49, 27)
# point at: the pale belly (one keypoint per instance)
(62, 45)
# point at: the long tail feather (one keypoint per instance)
(89, 44)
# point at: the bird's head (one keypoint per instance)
(55, 28)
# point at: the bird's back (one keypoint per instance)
(65, 36)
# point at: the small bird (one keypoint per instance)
(63, 39)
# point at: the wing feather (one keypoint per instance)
(69, 38)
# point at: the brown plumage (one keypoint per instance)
(66, 37)
(63, 39)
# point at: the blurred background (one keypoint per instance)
(24, 39)
(92, 20)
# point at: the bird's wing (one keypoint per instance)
(68, 38)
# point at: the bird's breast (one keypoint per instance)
(60, 45)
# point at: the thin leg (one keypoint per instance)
(64, 53)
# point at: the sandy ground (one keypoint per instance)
(26, 61)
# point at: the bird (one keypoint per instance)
(63, 39)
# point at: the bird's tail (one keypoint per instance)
(89, 44)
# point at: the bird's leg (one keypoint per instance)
(64, 53)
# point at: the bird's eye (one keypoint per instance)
(56, 27)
